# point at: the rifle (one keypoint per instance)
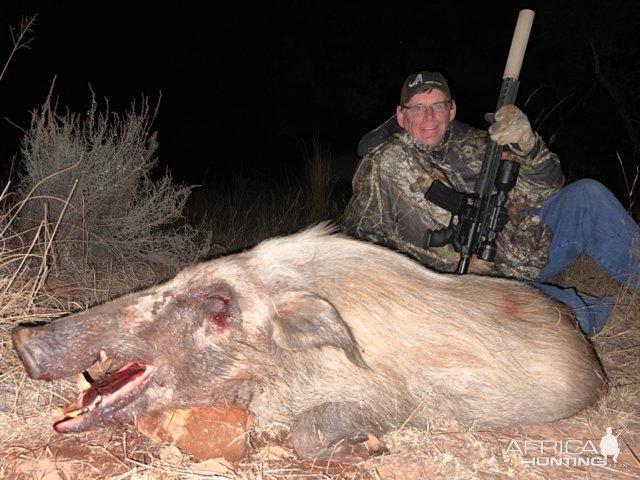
(477, 218)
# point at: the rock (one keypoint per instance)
(204, 432)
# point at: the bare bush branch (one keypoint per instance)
(108, 207)
(20, 40)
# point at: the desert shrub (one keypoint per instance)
(89, 178)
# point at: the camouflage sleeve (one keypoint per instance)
(370, 214)
(523, 245)
(540, 177)
(363, 217)
(388, 207)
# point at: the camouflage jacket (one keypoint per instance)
(388, 205)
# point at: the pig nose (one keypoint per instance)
(28, 353)
(19, 337)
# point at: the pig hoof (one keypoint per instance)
(358, 448)
(359, 438)
(373, 444)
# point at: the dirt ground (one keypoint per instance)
(567, 449)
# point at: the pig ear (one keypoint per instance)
(304, 320)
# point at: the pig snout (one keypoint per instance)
(45, 352)
(62, 349)
(32, 355)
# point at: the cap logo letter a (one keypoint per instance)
(416, 81)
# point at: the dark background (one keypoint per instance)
(248, 89)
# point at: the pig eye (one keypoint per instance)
(219, 319)
(219, 308)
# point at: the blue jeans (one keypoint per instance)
(585, 216)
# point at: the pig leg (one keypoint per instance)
(336, 432)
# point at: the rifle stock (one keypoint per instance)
(477, 218)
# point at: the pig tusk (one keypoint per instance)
(84, 381)
(71, 410)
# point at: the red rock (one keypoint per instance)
(204, 432)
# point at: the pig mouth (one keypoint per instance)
(100, 398)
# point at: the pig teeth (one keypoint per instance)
(58, 412)
(72, 411)
(103, 356)
(75, 413)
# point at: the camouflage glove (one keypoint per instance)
(512, 128)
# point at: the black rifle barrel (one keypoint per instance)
(489, 170)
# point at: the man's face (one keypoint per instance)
(427, 125)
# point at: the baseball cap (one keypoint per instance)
(421, 82)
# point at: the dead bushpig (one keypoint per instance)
(337, 338)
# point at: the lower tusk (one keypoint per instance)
(71, 410)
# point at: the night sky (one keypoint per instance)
(249, 89)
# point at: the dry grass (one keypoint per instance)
(32, 450)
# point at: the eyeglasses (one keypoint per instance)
(420, 109)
